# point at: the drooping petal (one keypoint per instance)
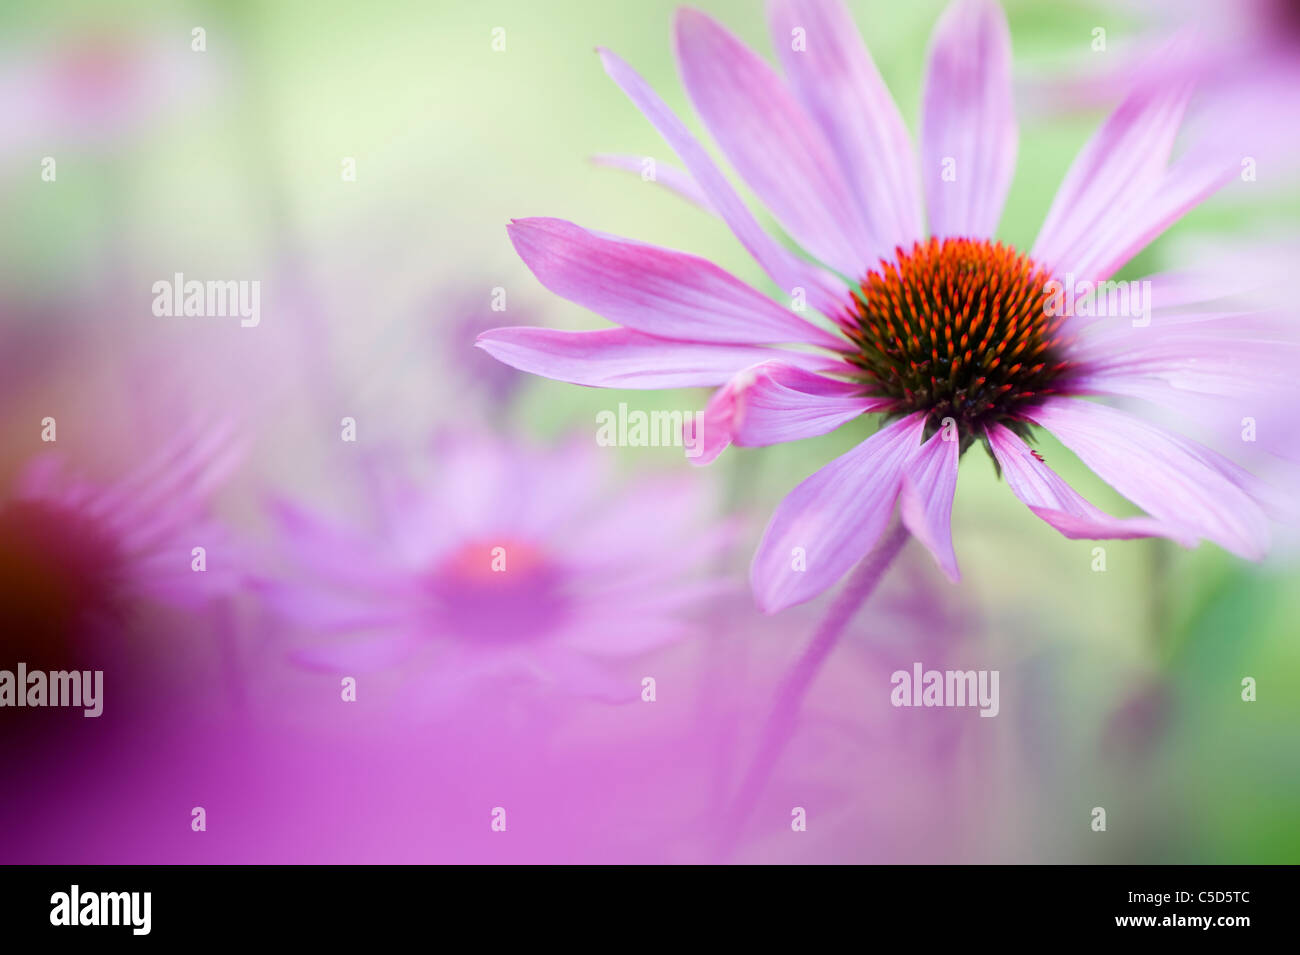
(824, 292)
(1168, 476)
(665, 174)
(622, 358)
(833, 519)
(772, 143)
(783, 402)
(835, 79)
(925, 504)
(710, 434)
(770, 403)
(968, 125)
(657, 291)
(1046, 494)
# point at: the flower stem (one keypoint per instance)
(783, 717)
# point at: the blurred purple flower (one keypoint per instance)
(955, 338)
(508, 562)
(469, 317)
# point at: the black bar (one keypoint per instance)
(237, 903)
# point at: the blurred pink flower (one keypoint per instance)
(75, 554)
(508, 562)
(954, 337)
(94, 89)
(1244, 56)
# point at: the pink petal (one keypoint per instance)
(620, 357)
(1168, 476)
(1121, 165)
(183, 473)
(824, 292)
(1120, 334)
(1276, 503)
(772, 143)
(1186, 185)
(713, 434)
(657, 291)
(475, 494)
(163, 573)
(783, 402)
(332, 551)
(322, 609)
(839, 86)
(1166, 365)
(834, 518)
(1119, 195)
(1236, 277)
(665, 174)
(1052, 499)
(968, 117)
(1247, 275)
(929, 483)
(772, 402)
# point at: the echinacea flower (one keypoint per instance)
(953, 337)
(75, 555)
(507, 563)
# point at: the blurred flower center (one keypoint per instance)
(499, 592)
(58, 570)
(1286, 14)
(958, 328)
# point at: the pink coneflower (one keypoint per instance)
(955, 338)
(506, 563)
(76, 555)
